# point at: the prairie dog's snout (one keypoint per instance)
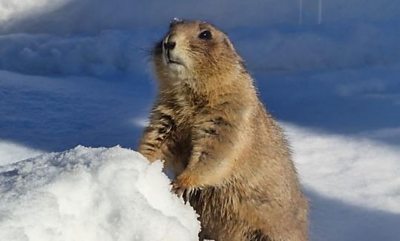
(169, 41)
(171, 50)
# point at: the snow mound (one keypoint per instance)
(91, 194)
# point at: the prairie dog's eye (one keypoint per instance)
(206, 34)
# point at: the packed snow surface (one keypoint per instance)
(367, 170)
(352, 183)
(91, 194)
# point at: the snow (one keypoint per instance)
(107, 53)
(332, 164)
(66, 16)
(91, 194)
(120, 52)
(11, 152)
(75, 73)
(13, 9)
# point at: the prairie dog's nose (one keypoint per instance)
(170, 45)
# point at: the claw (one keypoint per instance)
(187, 194)
(177, 189)
(184, 186)
(182, 192)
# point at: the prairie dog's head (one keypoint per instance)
(194, 51)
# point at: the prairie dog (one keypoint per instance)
(231, 158)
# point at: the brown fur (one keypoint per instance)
(230, 157)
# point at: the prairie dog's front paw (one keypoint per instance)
(183, 186)
(178, 189)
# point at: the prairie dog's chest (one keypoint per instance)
(187, 107)
(186, 111)
(184, 117)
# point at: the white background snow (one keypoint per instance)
(76, 73)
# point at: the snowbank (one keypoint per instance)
(70, 37)
(91, 194)
(352, 183)
(68, 16)
(355, 170)
(115, 52)
(11, 10)
(107, 53)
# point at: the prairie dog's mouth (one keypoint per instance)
(171, 60)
